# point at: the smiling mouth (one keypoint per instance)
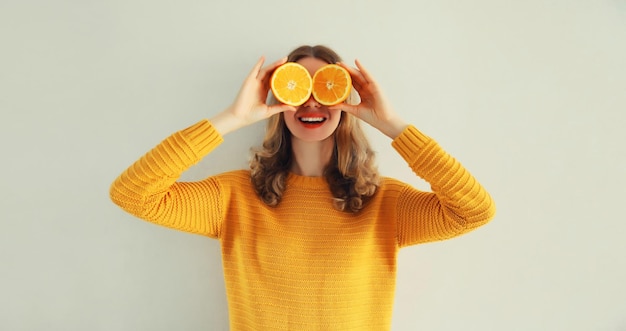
(312, 120)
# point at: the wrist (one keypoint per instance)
(226, 122)
(393, 128)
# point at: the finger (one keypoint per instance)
(278, 62)
(270, 68)
(357, 86)
(362, 89)
(348, 108)
(366, 74)
(275, 109)
(355, 74)
(338, 106)
(257, 67)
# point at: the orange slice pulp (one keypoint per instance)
(291, 84)
(331, 85)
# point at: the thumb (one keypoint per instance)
(348, 108)
(275, 109)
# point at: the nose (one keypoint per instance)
(311, 103)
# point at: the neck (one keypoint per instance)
(311, 157)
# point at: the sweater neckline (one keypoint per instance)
(306, 182)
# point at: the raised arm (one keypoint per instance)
(458, 202)
(149, 188)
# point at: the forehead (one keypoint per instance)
(312, 64)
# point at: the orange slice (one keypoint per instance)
(331, 85)
(291, 84)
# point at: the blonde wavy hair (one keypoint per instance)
(351, 174)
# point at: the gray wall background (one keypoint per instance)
(529, 95)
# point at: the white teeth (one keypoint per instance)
(312, 119)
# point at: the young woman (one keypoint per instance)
(310, 233)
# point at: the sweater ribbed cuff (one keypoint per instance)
(409, 142)
(202, 137)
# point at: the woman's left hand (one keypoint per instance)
(374, 108)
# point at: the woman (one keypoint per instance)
(310, 234)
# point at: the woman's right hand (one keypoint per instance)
(250, 105)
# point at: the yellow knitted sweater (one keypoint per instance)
(304, 265)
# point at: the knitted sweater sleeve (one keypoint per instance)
(457, 203)
(149, 189)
